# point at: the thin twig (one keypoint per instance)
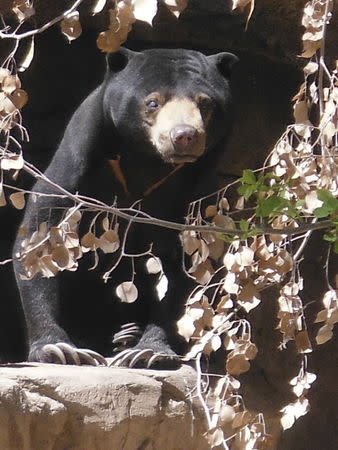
(44, 27)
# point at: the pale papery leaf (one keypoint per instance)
(227, 414)
(105, 224)
(303, 343)
(186, 327)
(18, 200)
(195, 313)
(312, 202)
(2, 196)
(88, 242)
(4, 73)
(224, 204)
(109, 241)
(329, 297)
(324, 334)
(322, 316)
(71, 240)
(98, 7)
(229, 284)
(19, 98)
(60, 256)
(47, 267)
(246, 256)
(127, 292)
(204, 272)
(145, 10)
(310, 68)
(241, 419)
(71, 26)
(154, 265)
(15, 162)
(28, 58)
(10, 83)
(108, 41)
(250, 351)
(190, 243)
(210, 211)
(237, 364)
(215, 437)
(176, 6)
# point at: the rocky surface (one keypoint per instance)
(52, 407)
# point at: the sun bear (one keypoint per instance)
(148, 138)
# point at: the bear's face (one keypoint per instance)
(174, 101)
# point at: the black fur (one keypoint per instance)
(77, 307)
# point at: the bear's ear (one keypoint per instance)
(117, 61)
(224, 61)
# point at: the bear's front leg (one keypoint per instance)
(49, 342)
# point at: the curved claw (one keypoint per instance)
(123, 356)
(123, 338)
(148, 357)
(64, 353)
(51, 351)
(154, 358)
(90, 355)
(141, 355)
(130, 324)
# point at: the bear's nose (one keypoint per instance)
(183, 137)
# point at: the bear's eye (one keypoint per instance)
(205, 105)
(152, 104)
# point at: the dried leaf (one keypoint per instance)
(210, 211)
(127, 292)
(2, 196)
(154, 265)
(18, 200)
(322, 316)
(227, 414)
(241, 419)
(88, 242)
(324, 334)
(189, 242)
(186, 327)
(109, 241)
(230, 285)
(19, 98)
(176, 6)
(108, 41)
(26, 62)
(303, 343)
(61, 257)
(105, 224)
(98, 7)
(71, 26)
(250, 351)
(10, 83)
(215, 437)
(15, 162)
(145, 10)
(310, 68)
(237, 364)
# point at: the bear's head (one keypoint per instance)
(176, 101)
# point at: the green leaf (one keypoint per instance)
(247, 190)
(329, 206)
(270, 205)
(322, 211)
(243, 225)
(248, 177)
